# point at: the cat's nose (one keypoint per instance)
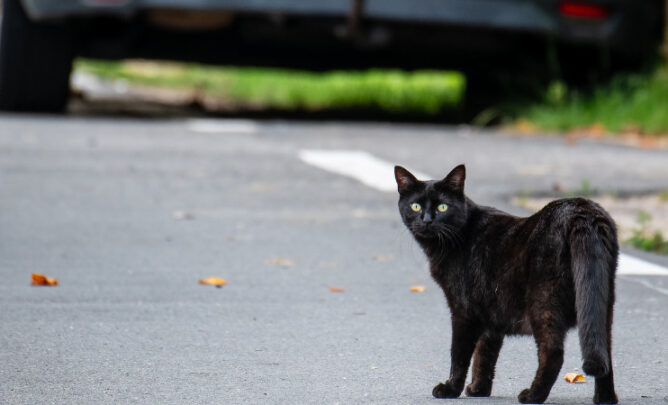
(427, 218)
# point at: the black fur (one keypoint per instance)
(504, 275)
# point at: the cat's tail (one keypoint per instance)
(594, 251)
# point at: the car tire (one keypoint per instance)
(35, 62)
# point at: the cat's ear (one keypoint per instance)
(405, 180)
(455, 179)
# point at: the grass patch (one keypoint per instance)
(634, 103)
(643, 240)
(585, 190)
(420, 92)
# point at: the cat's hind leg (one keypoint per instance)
(549, 330)
(604, 387)
(604, 391)
(484, 362)
(464, 338)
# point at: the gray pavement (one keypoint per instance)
(91, 201)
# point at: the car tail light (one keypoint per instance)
(583, 10)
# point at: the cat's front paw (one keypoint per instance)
(605, 398)
(529, 397)
(446, 390)
(478, 389)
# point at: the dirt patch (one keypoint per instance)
(624, 210)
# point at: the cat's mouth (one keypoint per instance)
(439, 233)
(425, 235)
(425, 232)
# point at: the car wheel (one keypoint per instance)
(35, 62)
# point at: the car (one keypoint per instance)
(40, 38)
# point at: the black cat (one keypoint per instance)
(504, 275)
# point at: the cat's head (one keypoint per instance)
(434, 209)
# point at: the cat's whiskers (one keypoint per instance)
(449, 234)
(455, 235)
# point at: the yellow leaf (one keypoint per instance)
(574, 378)
(524, 126)
(213, 281)
(383, 257)
(418, 288)
(280, 261)
(40, 279)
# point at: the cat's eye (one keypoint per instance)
(416, 207)
(442, 207)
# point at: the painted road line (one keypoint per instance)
(359, 165)
(222, 126)
(379, 174)
(630, 265)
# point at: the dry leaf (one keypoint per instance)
(418, 288)
(280, 261)
(383, 257)
(524, 126)
(573, 137)
(574, 378)
(336, 289)
(595, 130)
(40, 279)
(182, 215)
(329, 265)
(213, 281)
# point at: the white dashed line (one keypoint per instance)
(379, 174)
(222, 126)
(359, 165)
(630, 265)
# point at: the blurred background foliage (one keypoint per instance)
(394, 91)
(625, 103)
(631, 102)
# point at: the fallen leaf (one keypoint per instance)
(263, 187)
(280, 261)
(524, 126)
(213, 281)
(574, 378)
(595, 130)
(383, 257)
(418, 288)
(182, 215)
(40, 279)
(558, 187)
(336, 289)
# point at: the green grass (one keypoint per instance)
(655, 243)
(585, 190)
(421, 92)
(629, 103)
(644, 240)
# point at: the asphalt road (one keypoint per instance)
(129, 214)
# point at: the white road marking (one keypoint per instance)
(359, 165)
(379, 174)
(630, 265)
(222, 126)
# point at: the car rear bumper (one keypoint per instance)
(502, 14)
(626, 23)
